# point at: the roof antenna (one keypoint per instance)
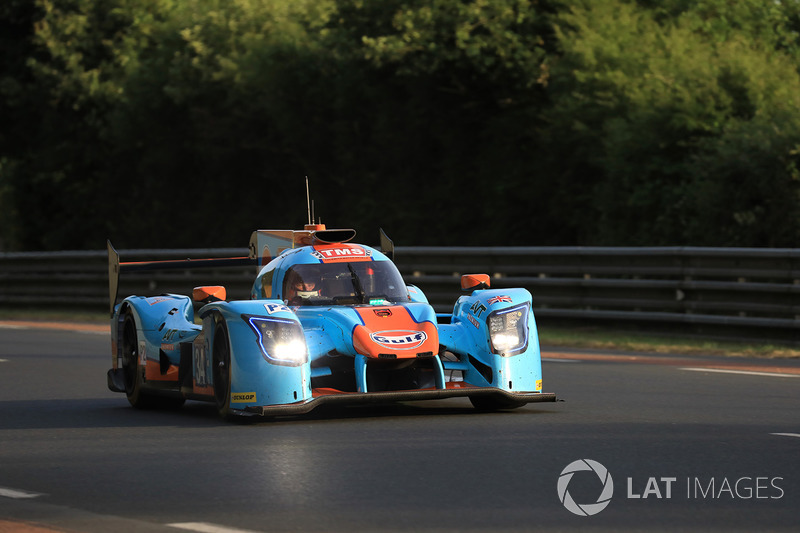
(308, 202)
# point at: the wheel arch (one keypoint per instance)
(254, 379)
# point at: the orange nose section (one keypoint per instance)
(391, 332)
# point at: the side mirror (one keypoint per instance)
(213, 293)
(473, 282)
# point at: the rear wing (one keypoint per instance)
(267, 244)
(115, 268)
(264, 246)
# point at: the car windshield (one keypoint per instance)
(366, 282)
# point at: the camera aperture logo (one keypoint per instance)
(747, 487)
(585, 509)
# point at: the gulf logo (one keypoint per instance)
(399, 339)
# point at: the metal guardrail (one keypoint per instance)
(715, 292)
(736, 292)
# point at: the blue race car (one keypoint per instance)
(327, 322)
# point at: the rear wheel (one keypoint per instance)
(221, 362)
(130, 362)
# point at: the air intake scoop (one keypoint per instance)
(333, 236)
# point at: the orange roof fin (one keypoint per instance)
(471, 282)
(211, 293)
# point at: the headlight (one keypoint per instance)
(281, 340)
(508, 330)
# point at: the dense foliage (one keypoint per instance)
(161, 123)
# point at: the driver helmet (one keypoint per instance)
(302, 287)
(305, 288)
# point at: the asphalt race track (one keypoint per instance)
(690, 444)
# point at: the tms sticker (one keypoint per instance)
(399, 339)
(474, 321)
(341, 254)
(275, 308)
(243, 397)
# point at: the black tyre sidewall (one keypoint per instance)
(222, 379)
(136, 397)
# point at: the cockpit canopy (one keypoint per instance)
(344, 283)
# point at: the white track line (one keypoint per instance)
(787, 434)
(18, 494)
(745, 372)
(204, 527)
(3, 360)
(551, 360)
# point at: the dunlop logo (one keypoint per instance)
(243, 397)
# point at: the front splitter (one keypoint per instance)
(354, 398)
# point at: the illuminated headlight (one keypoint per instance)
(508, 330)
(281, 340)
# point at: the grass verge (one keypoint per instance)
(597, 338)
(54, 316)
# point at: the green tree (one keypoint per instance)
(651, 104)
(192, 122)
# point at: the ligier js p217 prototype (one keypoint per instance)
(327, 321)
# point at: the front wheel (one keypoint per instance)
(221, 363)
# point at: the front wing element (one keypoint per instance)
(303, 407)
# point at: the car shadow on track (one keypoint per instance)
(98, 413)
(401, 410)
(112, 413)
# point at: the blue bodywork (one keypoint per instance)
(359, 335)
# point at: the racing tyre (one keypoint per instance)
(494, 403)
(221, 363)
(134, 378)
(130, 362)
